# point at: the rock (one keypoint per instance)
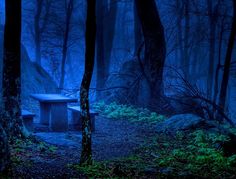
(181, 122)
(150, 171)
(166, 171)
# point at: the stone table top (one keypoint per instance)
(53, 98)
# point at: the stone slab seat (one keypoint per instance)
(28, 118)
(76, 120)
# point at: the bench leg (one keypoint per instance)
(59, 117)
(76, 122)
(28, 123)
(44, 113)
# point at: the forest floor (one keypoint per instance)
(125, 144)
(52, 154)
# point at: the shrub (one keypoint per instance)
(131, 113)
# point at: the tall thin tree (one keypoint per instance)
(186, 59)
(212, 36)
(69, 11)
(106, 15)
(40, 23)
(86, 154)
(137, 31)
(228, 58)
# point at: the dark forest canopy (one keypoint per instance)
(167, 64)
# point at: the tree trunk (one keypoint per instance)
(226, 74)
(4, 150)
(105, 36)
(69, 11)
(186, 60)
(137, 31)
(86, 155)
(11, 83)
(218, 67)
(155, 51)
(180, 30)
(37, 35)
(212, 48)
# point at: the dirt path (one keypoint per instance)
(112, 139)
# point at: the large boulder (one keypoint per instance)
(182, 122)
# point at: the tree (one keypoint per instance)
(212, 27)
(186, 58)
(11, 122)
(11, 83)
(86, 154)
(39, 28)
(69, 10)
(4, 152)
(179, 28)
(137, 31)
(226, 73)
(105, 34)
(155, 50)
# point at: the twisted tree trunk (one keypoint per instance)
(86, 155)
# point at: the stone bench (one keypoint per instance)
(76, 120)
(28, 118)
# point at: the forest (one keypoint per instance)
(117, 89)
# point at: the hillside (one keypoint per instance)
(34, 78)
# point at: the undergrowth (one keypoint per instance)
(23, 149)
(185, 155)
(131, 113)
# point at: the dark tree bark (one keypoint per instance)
(180, 29)
(155, 51)
(212, 20)
(218, 67)
(186, 59)
(105, 35)
(4, 150)
(137, 31)
(86, 155)
(69, 11)
(11, 83)
(225, 79)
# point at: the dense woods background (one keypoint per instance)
(171, 57)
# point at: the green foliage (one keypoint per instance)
(29, 147)
(186, 155)
(131, 113)
(199, 156)
(129, 167)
